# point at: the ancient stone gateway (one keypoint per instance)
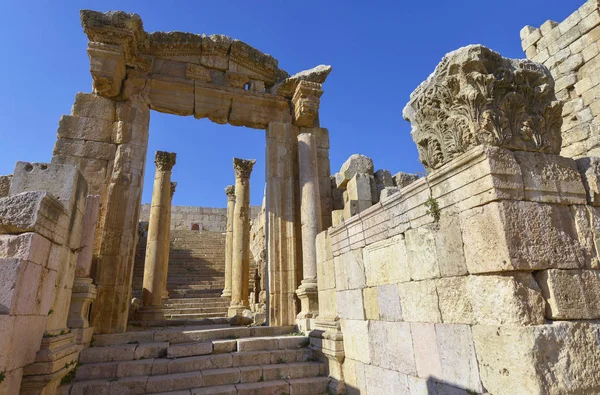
(214, 77)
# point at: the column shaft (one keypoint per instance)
(230, 192)
(167, 247)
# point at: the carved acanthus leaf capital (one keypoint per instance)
(476, 96)
(173, 187)
(165, 160)
(230, 192)
(306, 101)
(243, 167)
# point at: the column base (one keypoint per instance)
(226, 293)
(308, 293)
(236, 310)
(150, 313)
(57, 356)
(83, 294)
(327, 338)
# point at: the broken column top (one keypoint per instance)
(475, 96)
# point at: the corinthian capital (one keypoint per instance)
(164, 160)
(230, 192)
(243, 167)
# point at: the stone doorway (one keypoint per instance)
(214, 77)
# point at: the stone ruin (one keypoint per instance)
(481, 276)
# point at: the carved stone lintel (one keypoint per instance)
(243, 167)
(230, 192)
(173, 187)
(165, 160)
(306, 101)
(475, 96)
(237, 80)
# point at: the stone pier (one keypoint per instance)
(155, 265)
(240, 262)
(230, 192)
(310, 216)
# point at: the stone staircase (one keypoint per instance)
(196, 275)
(200, 360)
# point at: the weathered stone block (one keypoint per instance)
(79, 128)
(419, 300)
(27, 246)
(570, 294)
(5, 185)
(380, 381)
(506, 236)
(510, 358)
(427, 355)
(89, 105)
(350, 304)
(449, 245)
(171, 95)
(86, 149)
(388, 302)
(19, 287)
(391, 346)
(350, 270)
(107, 66)
(402, 179)
(421, 253)
(457, 357)
(550, 178)
(258, 111)
(356, 337)
(385, 262)
(371, 303)
(354, 164)
(589, 168)
(359, 187)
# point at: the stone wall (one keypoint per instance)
(207, 218)
(571, 50)
(492, 290)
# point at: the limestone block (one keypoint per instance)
(391, 346)
(457, 357)
(19, 287)
(89, 105)
(337, 217)
(356, 337)
(511, 358)
(86, 149)
(421, 253)
(171, 95)
(5, 185)
(388, 192)
(349, 270)
(64, 182)
(354, 164)
(380, 381)
(107, 66)
(419, 300)
(512, 299)
(449, 245)
(215, 51)
(506, 236)
(354, 207)
(257, 111)
(211, 103)
(371, 303)
(354, 376)
(37, 212)
(550, 178)
(80, 128)
(388, 302)
(27, 246)
(350, 304)
(25, 340)
(385, 262)
(436, 151)
(570, 294)
(427, 356)
(402, 179)
(359, 187)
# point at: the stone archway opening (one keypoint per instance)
(214, 77)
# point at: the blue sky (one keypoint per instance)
(380, 51)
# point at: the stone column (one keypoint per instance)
(154, 265)
(167, 247)
(310, 216)
(230, 192)
(240, 262)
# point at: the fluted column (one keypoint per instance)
(158, 225)
(310, 216)
(230, 192)
(240, 262)
(167, 248)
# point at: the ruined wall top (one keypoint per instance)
(475, 96)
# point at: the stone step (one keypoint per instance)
(175, 335)
(197, 300)
(195, 316)
(207, 308)
(238, 381)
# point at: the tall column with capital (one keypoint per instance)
(310, 216)
(240, 262)
(154, 265)
(167, 248)
(230, 192)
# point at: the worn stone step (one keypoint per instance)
(195, 316)
(190, 334)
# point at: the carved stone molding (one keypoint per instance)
(230, 192)
(306, 101)
(243, 167)
(165, 160)
(476, 96)
(173, 187)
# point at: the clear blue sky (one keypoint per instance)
(380, 51)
